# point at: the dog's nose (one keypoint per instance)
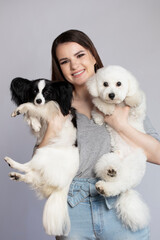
(38, 101)
(111, 96)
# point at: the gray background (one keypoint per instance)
(125, 32)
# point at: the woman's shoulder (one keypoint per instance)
(149, 129)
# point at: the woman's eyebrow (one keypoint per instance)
(79, 52)
(63, 59)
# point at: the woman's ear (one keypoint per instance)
(92, 86)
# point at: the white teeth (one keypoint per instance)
(75, 74)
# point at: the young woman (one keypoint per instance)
(75, 59)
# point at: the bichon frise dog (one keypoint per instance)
(124, 167)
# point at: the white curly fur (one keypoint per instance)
(124, 167)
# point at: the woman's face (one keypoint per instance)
(76, 62)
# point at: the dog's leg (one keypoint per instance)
(134, 100)
(35, 124)
(108, 167)
(18, 166)
(130, 174)
(23, 109)
(110, 189)
(97, 117)
(104, 107)
(31, 115)
(17, 176)
(133, 169)
(43, 111)
(27, 178)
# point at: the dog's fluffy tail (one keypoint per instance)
(55, 215)
(131, 209)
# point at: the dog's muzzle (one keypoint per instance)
(111, 96)
(39, 101)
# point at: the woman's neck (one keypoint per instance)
(82, 100)
(81, 93)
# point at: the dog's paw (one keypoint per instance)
(9, 161)
(15, 113)
(106, 188)
(97, 117)
(100, 187)
(37, 127)
(15, 176)
(27, 119)
(135, 100)
(20, 110)
(98, 120)
(111, 172)
(109, 109)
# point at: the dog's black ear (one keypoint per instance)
(65, 99)
(20, 90)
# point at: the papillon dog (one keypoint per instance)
(53, 166)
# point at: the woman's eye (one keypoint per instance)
(119, 84)
(80, 55)
(63, 62)
(105, 84)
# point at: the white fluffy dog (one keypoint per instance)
(52, 168)
(122, 168)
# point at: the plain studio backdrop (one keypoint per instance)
(125, 33)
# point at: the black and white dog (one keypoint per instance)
(52, 168)
(40, 92)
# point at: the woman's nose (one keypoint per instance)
(74, 64)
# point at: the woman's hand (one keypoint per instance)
(119, 119)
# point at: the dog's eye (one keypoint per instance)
(46, 93)
(34, 91)
(105, 84)
(119, 84)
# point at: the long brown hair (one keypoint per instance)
(72, 36)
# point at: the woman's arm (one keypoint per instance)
(54, 127)
(119, 122)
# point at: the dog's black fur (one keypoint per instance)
(24, 90)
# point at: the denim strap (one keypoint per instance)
(80, 191)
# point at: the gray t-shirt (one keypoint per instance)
(94, 141)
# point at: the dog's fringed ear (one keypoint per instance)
(134, 95)
(92, 86)
(65, 97)
(132, 85)
(19, 90)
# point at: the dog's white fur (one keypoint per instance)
(51, 169)
(124, 167)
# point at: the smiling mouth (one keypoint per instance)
(77, 74)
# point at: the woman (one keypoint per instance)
(75, 59)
